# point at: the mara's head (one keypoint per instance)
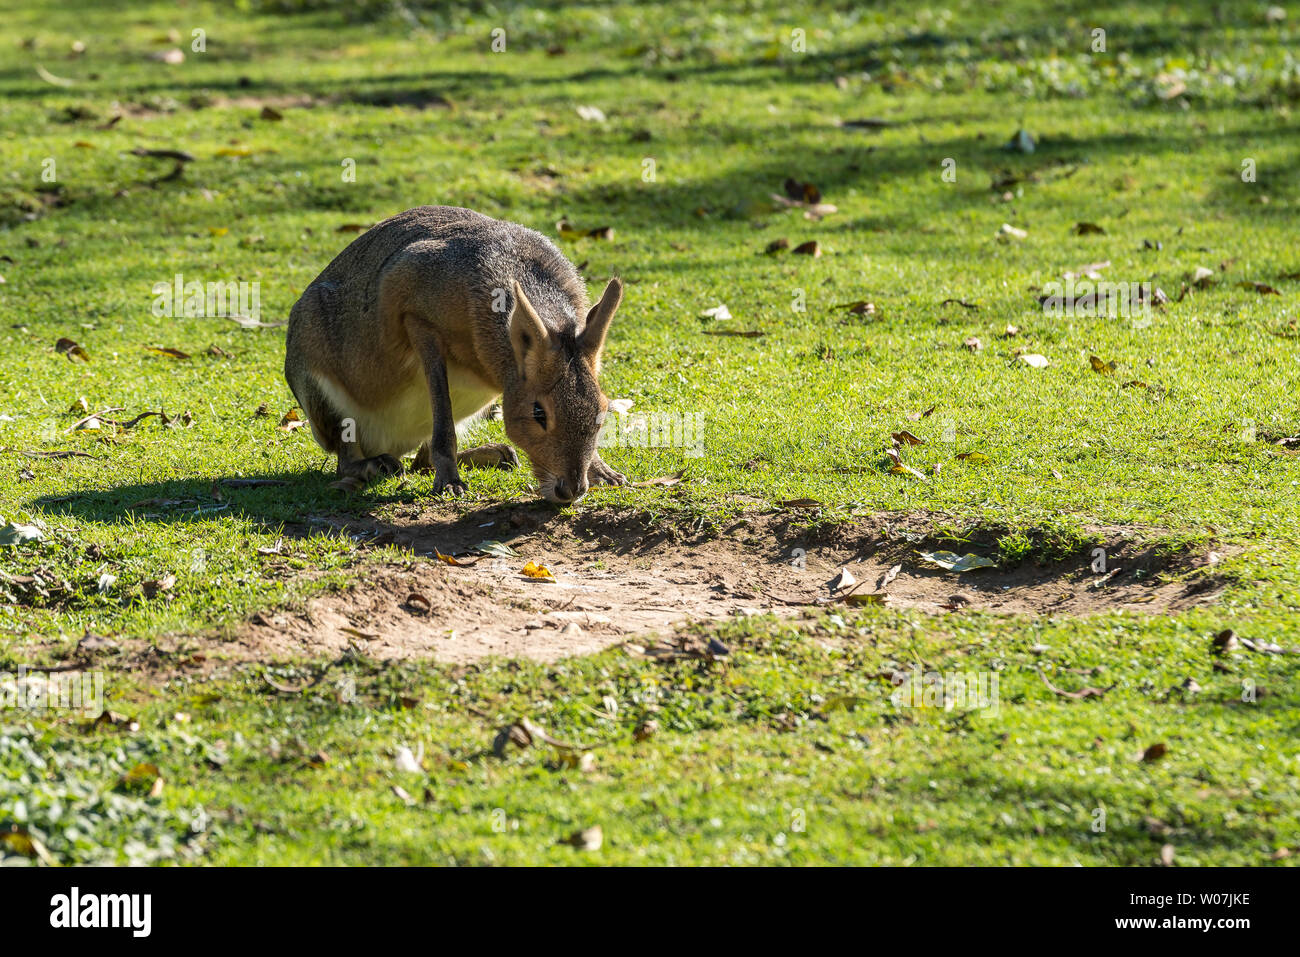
(554, 409)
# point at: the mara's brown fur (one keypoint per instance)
(423, 321)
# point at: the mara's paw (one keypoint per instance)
(453, 487)
(367, 470)
(495, 456)
(601, 474)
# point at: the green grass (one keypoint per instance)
(727, 111)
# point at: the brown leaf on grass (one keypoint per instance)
(975, 458)
(918, 416)
(56, 454)
(972, 343)
(71, 349)
(290, 421)
(588, 839)
(859, 307)
(776, 245)
(800, 503)
(271, 113)
(665, 481)
(1103, 367)
(737, 333)
(1262, 288)
(810, 248)
(165, 351)
(1087, 229)
(958, 302)
(157, 586)
(901, 469)
(570, 232)
(866, 123)
(1079, 695)
(801, 192)
(1155, 752)
(19, 841)
(906, 437)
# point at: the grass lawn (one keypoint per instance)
(1169, 157)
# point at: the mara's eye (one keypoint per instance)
(539, 414)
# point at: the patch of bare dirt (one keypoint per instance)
(622, 576)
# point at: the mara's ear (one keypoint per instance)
(598, 319)
(528, 335)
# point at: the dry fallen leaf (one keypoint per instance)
(1155, 752)
(1105, 368)
(1034, 360)
(1088, 229)
(1262, 288)
(861, 307)
(164, 351)
(843, 579)
(291, 421)
(973, 343)
(537, 572)
(662, 480)
(810, 248)
(588, 839)
(1008, 232)
(69, 348)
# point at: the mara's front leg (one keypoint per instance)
(440, 452)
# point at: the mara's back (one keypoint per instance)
(455, 255)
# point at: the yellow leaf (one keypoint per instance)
(541, 572)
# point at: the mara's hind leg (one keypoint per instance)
(338, 434)
(332, 430)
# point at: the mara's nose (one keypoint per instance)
(567, 490)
